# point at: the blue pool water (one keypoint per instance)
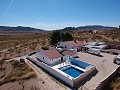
(71, 71)
(81, 64)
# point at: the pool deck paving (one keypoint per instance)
(104, 66)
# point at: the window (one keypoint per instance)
(65, 46)
(43, 57)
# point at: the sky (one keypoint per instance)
(57, 14)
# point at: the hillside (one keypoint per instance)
(90, 27)
(18, 28)
(96, 27)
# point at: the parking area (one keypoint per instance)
(104, 65)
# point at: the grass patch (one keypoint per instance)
(19, 72)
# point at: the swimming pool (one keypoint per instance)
(79, 63)
(71, 71)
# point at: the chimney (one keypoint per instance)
(75, 41)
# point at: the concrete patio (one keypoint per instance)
(104, 65)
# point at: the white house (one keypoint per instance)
(95, 31)
(69, 54)
(72, 45)
(50, 57)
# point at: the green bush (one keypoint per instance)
(45, 48)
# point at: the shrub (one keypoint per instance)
(15, 63)
(45, 48)
(30, 75)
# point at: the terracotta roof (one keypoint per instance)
(75, 43)
(52, 54)
(69, 53)
(90, 40)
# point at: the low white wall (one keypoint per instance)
(53, 72)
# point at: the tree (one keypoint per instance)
(57, 36)
(45, 48)
(54, 37)
(68, 36)
(63, 37)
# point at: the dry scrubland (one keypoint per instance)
(18, 45)
(15, 76)
(111, 37)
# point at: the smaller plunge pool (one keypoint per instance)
(71, 71)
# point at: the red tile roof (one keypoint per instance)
(75, 43)
(69, 53)
(52, 54)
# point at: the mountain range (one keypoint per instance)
(90, 27)
(21, 28)
(18, 28)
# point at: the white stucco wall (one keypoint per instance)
(66, 57)
(69, 47)
(63, 44)
(43, 57)
(55, 61)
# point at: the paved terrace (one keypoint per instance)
(104, 65)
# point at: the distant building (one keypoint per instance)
(72, 45)
(94, 31)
